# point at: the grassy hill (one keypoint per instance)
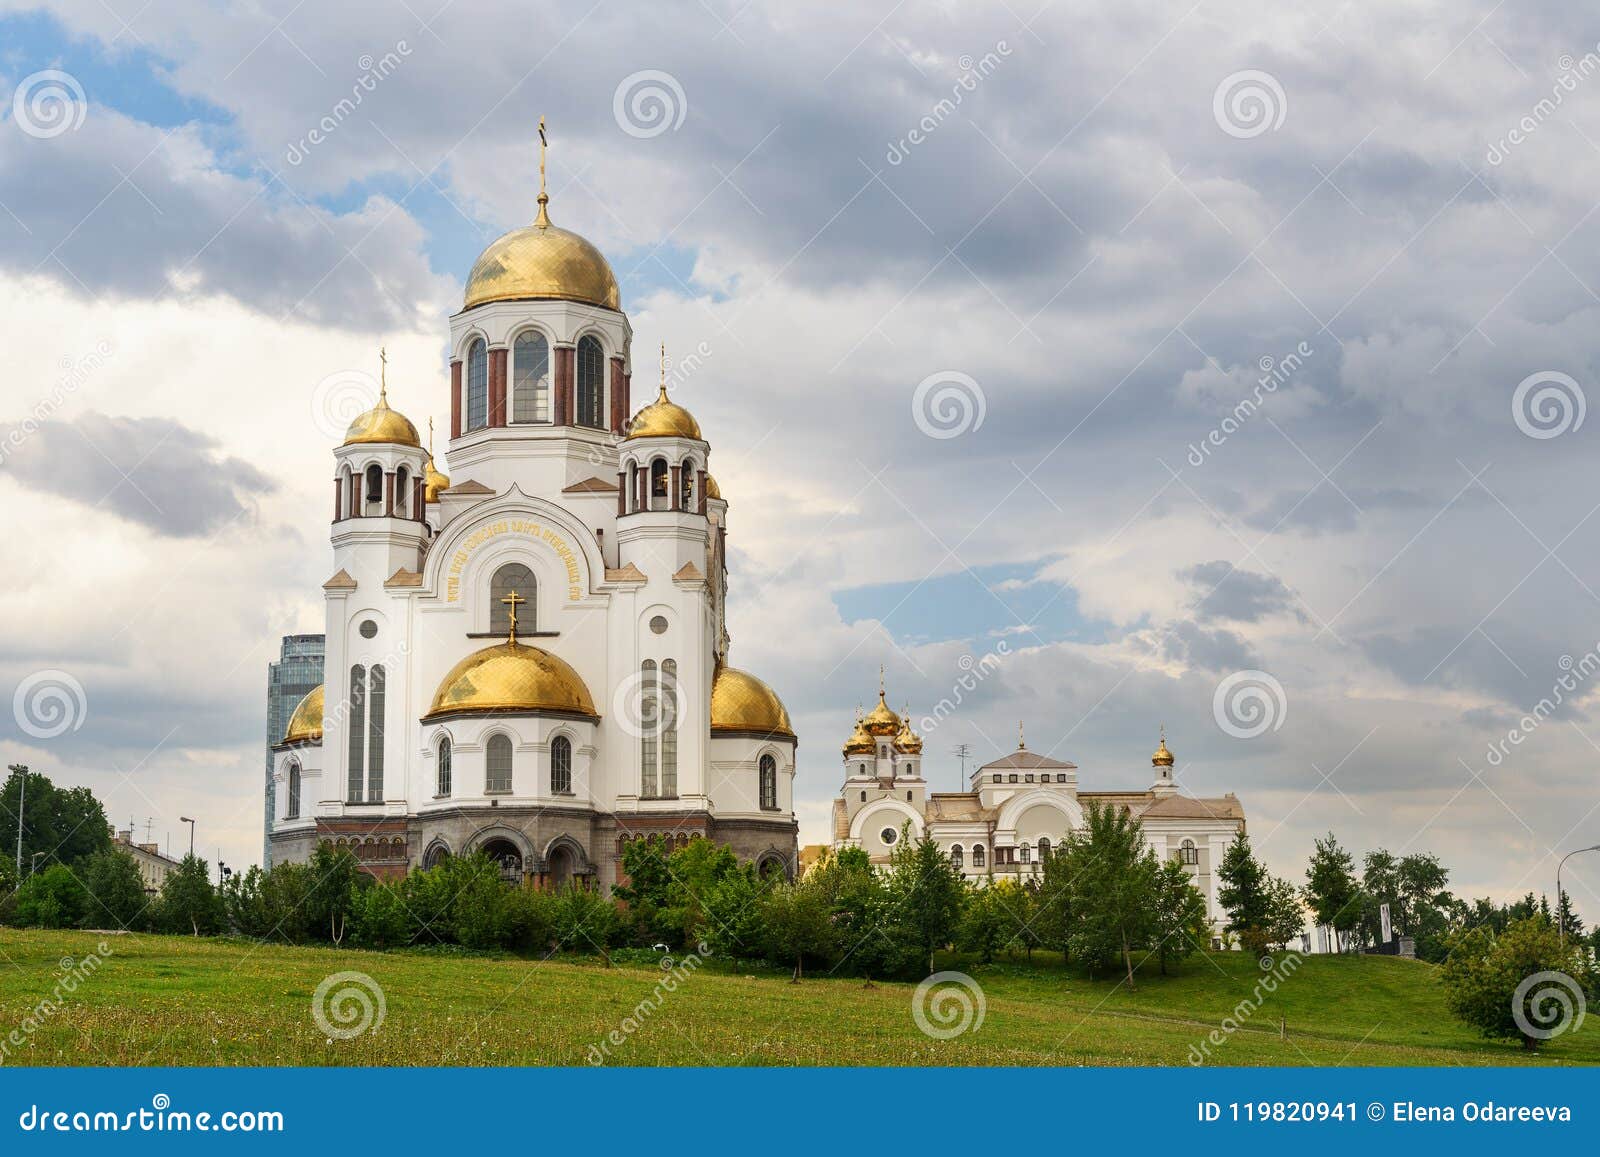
(179, 1001)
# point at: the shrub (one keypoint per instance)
(116, 892)
(379, 918)
(52, 898)
(1483, 973)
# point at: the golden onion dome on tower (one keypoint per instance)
(859, 743)
(713, 491)
(906, 741)
(305, 724)
(663, 418)
(741, 702)
(381, 424)
(511, 677)
(434, 483)
(1162, 757)
(881, 721)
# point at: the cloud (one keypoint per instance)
(1233, 593)
(152, 471)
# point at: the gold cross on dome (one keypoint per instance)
(383, 372)
(511, 601)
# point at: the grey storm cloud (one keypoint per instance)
(1216, 649)
(152, 471)
(1241, 595)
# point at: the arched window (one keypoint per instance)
(292, 811)
(1025, 852)
(1044, 848)
(477, 385)
(769, 783)
(498, 778)
(658, 484)
(375, 697)
(977, 855)
(686, 485)
(374, 490)
(444, 766)
(530, 378)
(956, 856)
(1188, 853)
(591, 383)
(356, 785)
(649, 742)
(402, 495)
(561, 766)
(513, 577)
(349, 489)
(669, 729)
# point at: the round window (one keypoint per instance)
(368, 629)
(658, 624)
(889, 836)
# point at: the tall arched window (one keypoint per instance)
(374, 490)
(356, 785)
(292, 810)
(511, 577)
(477, 385)
(402, 493)
(769, 783)
(349, 491)
(956, 857)
(1188, 853)
(1025, 852)
(561, 766)
(1044, 848)
(498, 778)
(668, 711)
(977, 855)
(591, 383)
(686, 485)
(530, 378)
(444, 766)
(658, 485)
(648, 740)
(375, 697)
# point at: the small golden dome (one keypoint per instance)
(1162, 757)
(511, 677)
(435, 482)
(712, 489)
(305, 725)
(741, 702)
(541, 261)
(906, 741)
(381, 424)
(664, 419)
(859, 743)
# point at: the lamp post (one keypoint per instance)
(190, 822)
(22, 798)
(1561, 916)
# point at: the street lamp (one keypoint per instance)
(21, 770)
(190, 822)
(1561, 915)
(33, 862)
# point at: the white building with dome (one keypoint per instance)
(531, 660)
(1021, 806)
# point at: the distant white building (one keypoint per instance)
(1020, 808)
(154, 866)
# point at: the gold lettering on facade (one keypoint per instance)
(519, 526)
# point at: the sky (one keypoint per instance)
(1218, 367)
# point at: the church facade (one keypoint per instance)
(532, 660)
(1021, 806)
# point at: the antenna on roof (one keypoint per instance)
(961, 751)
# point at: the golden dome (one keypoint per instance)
(859, 743)
(1162, 757)
(435, 481)
(664, 419)
(712, 489)
(305, 725)
(906, 741)
(881, 721)
(741, 702)
(511, 677)
(381, 424)
(542, 261)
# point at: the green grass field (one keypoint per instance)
(178, 1001)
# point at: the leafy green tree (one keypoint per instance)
(1380, 884)
(379, 919)
(1286, 915)
(1178, 925)
(1332, 891)
(925, 894)
(1483, 973)
(733, 914)
(1112, 888)
(189, 903)
(65, 825)
(585, 921)
(1052, 902)
(482, 908)
(996, 919)
(863, 912)
(797, 924)
(1244, 891)
(532, 919)
(117, 897)
(53, 898)
(334, 877)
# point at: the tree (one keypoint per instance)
(1567, 919)
(733, 914)
(1178, 924)
(116, 892)
(797, 924)
(1112, 888)
(379, 919)
(1332, 891)
(1380, 881)
(1483, 974)
(584, 919)
(335, 874)
(863, 911)
(188, 901)
(66, 825)
(997, 919)
(1052, 903)
(1244, 893)
(482, 908)
(925, 893)
(53, 898)
(1286, 916)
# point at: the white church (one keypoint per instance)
(532, 660)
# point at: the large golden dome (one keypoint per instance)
(511, 677)
(305, 725)
(741, 702)
(881, 721)
(664, 419)
(542, 261)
